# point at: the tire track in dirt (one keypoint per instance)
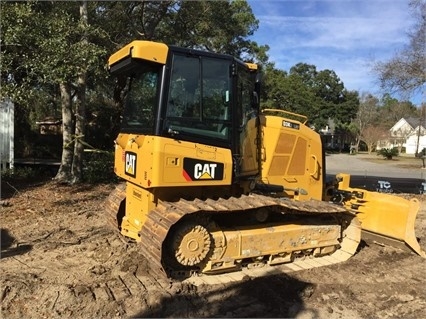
(61, 260)
(75, 265)
(71, 284)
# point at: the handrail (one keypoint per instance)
(316, 166)
(304, 118)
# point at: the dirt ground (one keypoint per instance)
(60, 259)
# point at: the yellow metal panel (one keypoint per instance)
(153, 161)
(279, 165)
(133, 158)
(139, 202)
(252, 66)
(298, 159)
(272, 239)
(145, 50)
(174, 175)
(285, 143)
(249, 163)
(292, 156)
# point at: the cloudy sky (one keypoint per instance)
(346, 36)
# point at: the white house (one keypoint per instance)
(416, 138)
(408, 133)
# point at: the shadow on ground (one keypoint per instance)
(268, 297)
(6, 243)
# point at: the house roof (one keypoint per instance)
(413, 121)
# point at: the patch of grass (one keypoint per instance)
(402, 161)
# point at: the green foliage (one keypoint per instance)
(320, 95)
(102, 121)
(99, 167)
(50, 45)
(43, 44)
(27, 173)
(17, 173)
(388, 153)
(201, 24)
(392, 110)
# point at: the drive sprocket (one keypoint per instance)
(191, 244)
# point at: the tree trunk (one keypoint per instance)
(80, 124)
(80, 113)
(358, 141)
(370, 147)
(64, 172)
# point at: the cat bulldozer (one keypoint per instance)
(213, 184)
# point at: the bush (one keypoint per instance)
(18, 173)
(99, 167)
(388, 153)
(27, 173)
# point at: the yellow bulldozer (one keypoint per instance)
(214, 184)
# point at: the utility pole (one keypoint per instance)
(421, 124)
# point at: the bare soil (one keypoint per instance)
(60, 259)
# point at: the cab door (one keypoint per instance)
(246, 124)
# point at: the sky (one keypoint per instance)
(346, 36)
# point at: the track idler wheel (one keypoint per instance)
(191, 244)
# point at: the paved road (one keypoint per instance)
(384, 177)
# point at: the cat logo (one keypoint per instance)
(130, 164)
(204, 171)
(198, 170)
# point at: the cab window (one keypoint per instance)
(199, 97)
(141, 100)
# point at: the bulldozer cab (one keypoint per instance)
(199, 98)
(190, 95)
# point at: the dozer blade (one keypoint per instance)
(385, 218)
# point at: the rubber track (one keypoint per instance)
(166, 214)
